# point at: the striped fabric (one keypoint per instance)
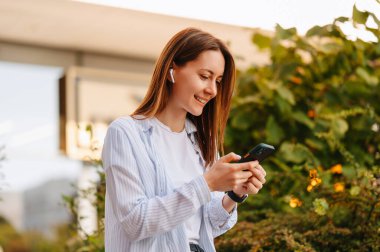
(143, 210)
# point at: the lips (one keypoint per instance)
(201, 100)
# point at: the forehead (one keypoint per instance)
(210, 60)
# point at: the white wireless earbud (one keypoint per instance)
(171, 74)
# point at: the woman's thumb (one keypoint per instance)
(230, 157)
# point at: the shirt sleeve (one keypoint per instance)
(140, 216)
(221, 221)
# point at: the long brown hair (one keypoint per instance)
(183, 47)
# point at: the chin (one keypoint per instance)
(196, 113)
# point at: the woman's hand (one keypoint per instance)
(225, 176)
(254, 183)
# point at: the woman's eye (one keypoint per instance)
(204, 77)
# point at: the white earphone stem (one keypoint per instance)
(171, 74)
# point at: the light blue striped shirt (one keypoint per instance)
(144, 212)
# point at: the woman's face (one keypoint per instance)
(197, 82)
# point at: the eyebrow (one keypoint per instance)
(211, 72)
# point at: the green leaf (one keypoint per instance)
(241, 121)
(265, 90)
(326, 178)
(317, 30)
(357, 88)
(315, 143)
(296, 153)
(274, 132)
(261, 41)
(375, 32)
(280, 164)
(339, 127)
(331, 48)
(358, 16)
(369, 79)
(279, 53)
(355, 190)
(375, 18)
(282, 33)
(256, 99)
(320, 206)
(341, 19)
(349, 172)
(283, 106)
(301, 117)
(286, 70)
(285, 93)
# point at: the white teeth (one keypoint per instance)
(201, 100)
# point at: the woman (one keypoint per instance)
(165, 183)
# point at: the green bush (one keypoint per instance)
(78, 240)
(318, 104)
(31, 241)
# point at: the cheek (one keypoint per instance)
(187, 87)
(181, 93)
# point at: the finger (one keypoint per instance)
(258, 175)
(252, 189)
(262, 170)
(239, 184)
(242, 181)
(247, 166)
(242, 175)
(257, 183)
(230, 157)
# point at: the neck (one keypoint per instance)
(175, 120)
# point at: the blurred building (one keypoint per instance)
(43, 206)
(68, 33)
(12, 208)
(40, 208)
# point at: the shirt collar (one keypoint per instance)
(189, 126)
(146, 124)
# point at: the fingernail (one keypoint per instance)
(238, 156)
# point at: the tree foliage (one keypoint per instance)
(318, 103)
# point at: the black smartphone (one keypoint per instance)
(259, 153)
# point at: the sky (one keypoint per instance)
(265, 14)
(29, 103)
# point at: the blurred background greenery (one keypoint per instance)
(317, 102)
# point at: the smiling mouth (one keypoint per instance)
(200, 99)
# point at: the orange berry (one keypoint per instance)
(339, 187)
(294, 202)
(313, 173)
(337, 169)
(311, 113)
(309, 188)
(296, 80)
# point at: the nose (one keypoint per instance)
(212, 89)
